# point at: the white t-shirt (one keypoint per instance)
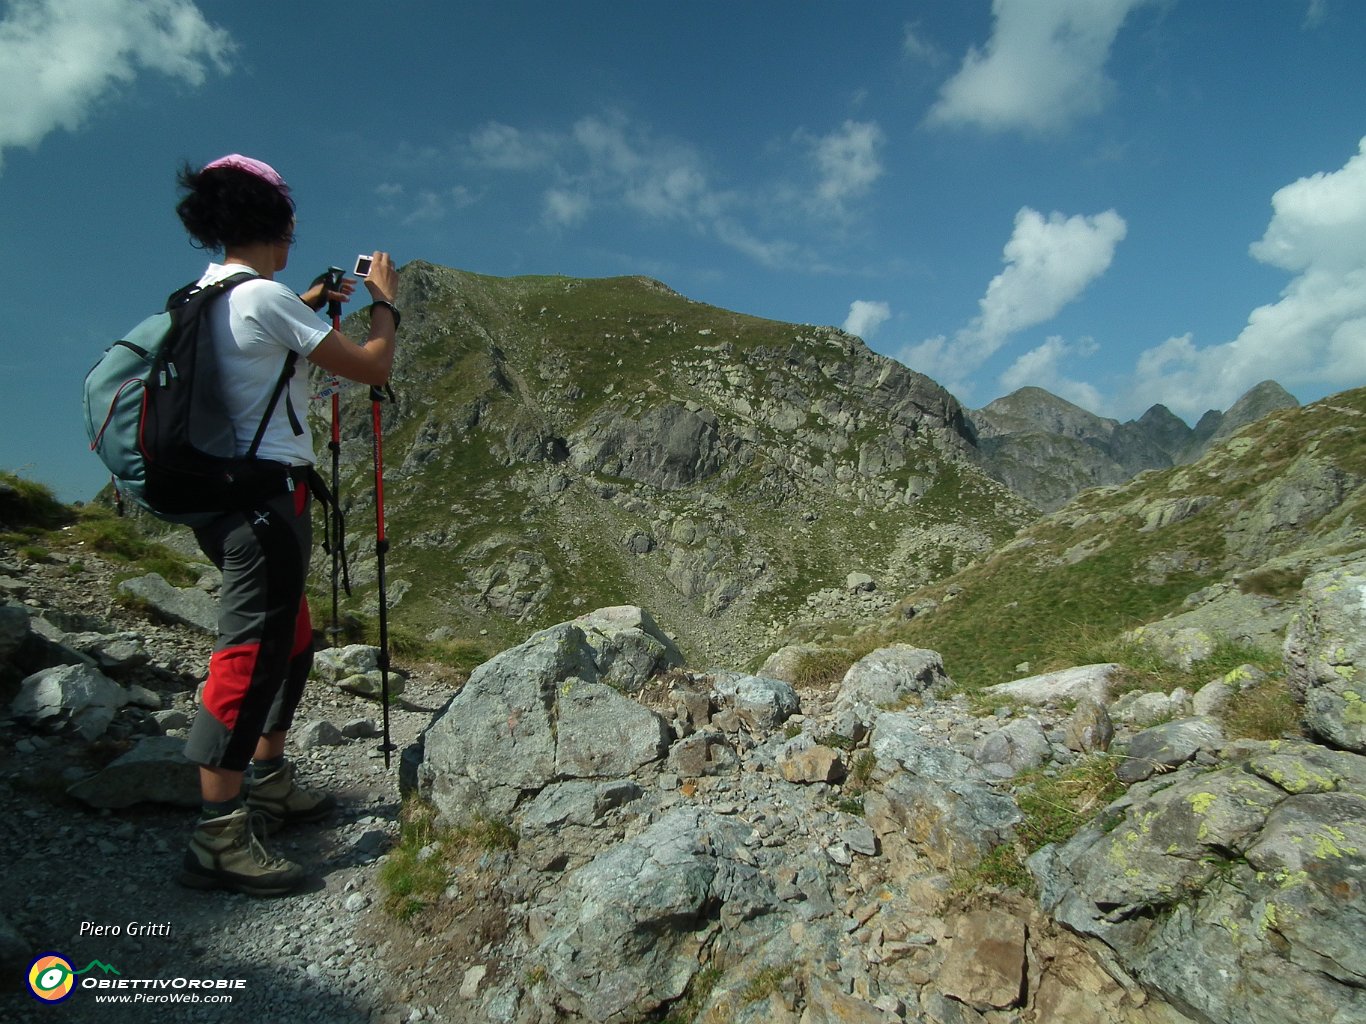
(254, 328)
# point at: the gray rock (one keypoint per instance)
(495, 742)
(625, 930)
(701, 754)
(1325, 656)
(1144, 709)
(319, 733)
(155, 771)
(1237, 897)
(1089, 728)
(602, 734)
(14, 629)
(896, 741)
(531, 715)
(763, 704)
(629, 647)
(78, 696)
(1181, 646)
(1058, 687)
(860, 583)
(890, 675)
(185, 606)
(953, 823)
(355, 669)
(1019, 745)
(1166, 746)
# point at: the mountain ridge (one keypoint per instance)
(1048, 450)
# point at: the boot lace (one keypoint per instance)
(256, 834)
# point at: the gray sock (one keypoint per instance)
(210, 809)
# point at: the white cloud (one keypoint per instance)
(60, 58)
(1314, 336)
(1043, 67)
(1049, 263)
(919, 49)
(1044, 367)
(506, 148)
(866, 317)
(847, 164)
(565, 208)
(422, 206)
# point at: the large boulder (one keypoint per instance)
(1071, 684)
(625, 930)
(628, 645)
(532, 715)
(934, 797)
(1237, 892)
(888, 676)
(80, 697)
(185, 606)
(1325, 656)
(155, 771)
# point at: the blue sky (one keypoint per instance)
(1123, 201)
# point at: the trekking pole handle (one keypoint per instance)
(332, 281)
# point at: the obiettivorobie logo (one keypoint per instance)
(51, 978)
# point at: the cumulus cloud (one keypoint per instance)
(1042, 68)
(1049, 263)
(847, 164)
(866, 317)
(60, 58)
(1314, 336)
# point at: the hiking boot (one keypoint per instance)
(280, 800)
(225, 853)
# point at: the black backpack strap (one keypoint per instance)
(280, 385)
(334, 523)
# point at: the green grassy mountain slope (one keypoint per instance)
(558, 445)
(1280, 499)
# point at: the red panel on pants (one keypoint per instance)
(231, 669)
(303, 630)
(230, 672)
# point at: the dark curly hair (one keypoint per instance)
(225, 207)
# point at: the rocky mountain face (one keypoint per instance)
(618, 835)
(1221, 544)
(1048, 450)
(562, 444)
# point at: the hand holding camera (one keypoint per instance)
(377, 270)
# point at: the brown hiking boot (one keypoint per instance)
(225, 853)
(280, 800)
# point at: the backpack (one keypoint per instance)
(156, 416)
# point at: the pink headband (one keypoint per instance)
(245, 163)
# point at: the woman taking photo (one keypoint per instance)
(242, 208)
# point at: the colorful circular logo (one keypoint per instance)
(51, 978)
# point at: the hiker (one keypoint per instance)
(242, 208)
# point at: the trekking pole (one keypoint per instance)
(377, 396)
(334, 280)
